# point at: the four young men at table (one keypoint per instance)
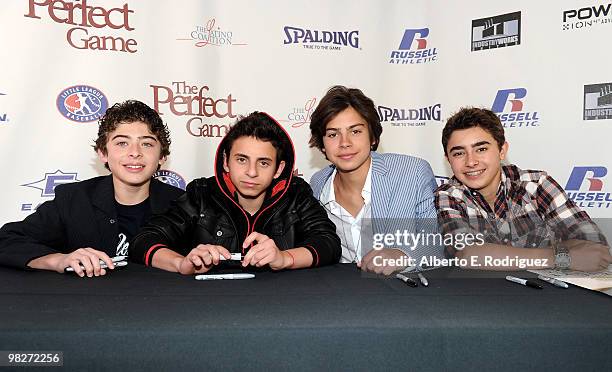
(255, 206)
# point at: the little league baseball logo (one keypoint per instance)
(82, 103)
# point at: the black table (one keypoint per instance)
(317, 319)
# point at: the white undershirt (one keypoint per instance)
(348, 227)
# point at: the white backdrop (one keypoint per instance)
(274, 56)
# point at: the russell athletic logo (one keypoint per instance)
(589, 194)
(171, 178)
(413, 48)
(597, 101)
(82, 103)
(47, 185)
(508, 105)
(599, 14)
(321, 39)
(496, 32)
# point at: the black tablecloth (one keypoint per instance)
(325, 318)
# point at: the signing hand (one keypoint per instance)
(265, 252)
(202, 258)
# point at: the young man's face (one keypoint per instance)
(475, 159)
(347, 141)
(132, 153)
(252, 166)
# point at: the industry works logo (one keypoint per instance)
(171, 178)
(598, 101)
(82, 103)
(211, 35)
(409, 117)
(84, 16)
(594, 196)
(496, 32)
(47, 185)
(3, 116)
(413, 48)
(587, 17)
(441, 180)
(517, 117)
(195, 102)
(301, 115)
(321, 39)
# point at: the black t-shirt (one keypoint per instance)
(130, 218)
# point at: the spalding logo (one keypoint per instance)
(82, 103)
(171, 178)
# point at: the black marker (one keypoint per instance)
(407, 280)
(525, 282)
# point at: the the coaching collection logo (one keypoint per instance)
(300, 115)
(515, 117)
(589, 194)
(197, 103)
(82, 103)
(321, 39)
(413, 48)
(598, 101)
(212, 35)
(86, 19)
(3, 116)
(599, 14)
(410, 117)
(496, 32)
(47, 185)
(171, 178)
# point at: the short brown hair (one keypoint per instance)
(337, 99)
(129, 112)
(469, 117)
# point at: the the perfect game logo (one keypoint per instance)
(597, 101)
(496, 32)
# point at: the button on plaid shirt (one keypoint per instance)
(530, 210)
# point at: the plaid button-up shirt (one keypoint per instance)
(530, 210)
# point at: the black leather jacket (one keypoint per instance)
(209, 213)
(204, 216)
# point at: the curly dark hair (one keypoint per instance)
(469, 117)
(337, 99)
(129, 112)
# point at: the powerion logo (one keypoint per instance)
(587, 17)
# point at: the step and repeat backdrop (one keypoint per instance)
(543, 66)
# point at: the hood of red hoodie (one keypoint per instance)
(277, 188)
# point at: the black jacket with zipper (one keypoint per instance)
(83, 214)
(209, 213)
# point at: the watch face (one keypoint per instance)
(562, 260)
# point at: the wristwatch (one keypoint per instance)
(563, 261)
